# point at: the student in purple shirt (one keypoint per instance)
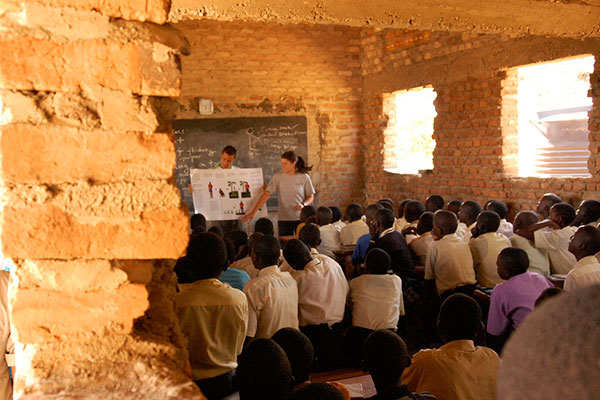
(514, 299)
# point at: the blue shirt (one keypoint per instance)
(360, 251)
(236, 278)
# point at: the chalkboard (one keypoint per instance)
(259, 141)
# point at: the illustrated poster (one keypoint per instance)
(226, 194)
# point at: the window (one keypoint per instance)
(553, 105)
(408, 137)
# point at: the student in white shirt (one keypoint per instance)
(485, 246)
(499, 207)
(272, 295)
(330, 236)
(246, 264)
(588, 213)
(412, 213)
(434, 202)
(355, 228)
(538, 258)
(546, 203)
(401, 221)
(336, 219)
(420, 245)
(467, 215)
(449, 265)
(584, 245)
(376, 299)
(556, 241)
(322, 291)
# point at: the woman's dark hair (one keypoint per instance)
(301, 167)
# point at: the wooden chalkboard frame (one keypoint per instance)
(259, 141)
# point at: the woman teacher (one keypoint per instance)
(294, 191)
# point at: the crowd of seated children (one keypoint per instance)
(391, 241)
(458, 370)
(385, 357)
(322, 291)
(273, 294)
(212, 316)
(434, 202)
(363, 242)
(330, 235)
(538, 258)
(308, 214)
(467, 217)
(423, 239)
(555, 239)
(513, 299)
(376, 301)
(337, 217)
(355, 228)
(485, 245)
(584, 245)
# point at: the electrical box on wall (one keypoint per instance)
(206, 107)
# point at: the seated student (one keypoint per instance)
(588, 213)
(310, 235)
(467, 215)
(385, 358)
(264, 372)
(197, 223)
(546, 203)
(412, 213)
(320, 391)
(299, 351)
(322, 291)
(376, 299)
(401, 221)
(305, 214)
(363, 242)
(584, 245)
(434, 202)
(449, 262)
(245, 264)
(393, 242)
(272, 295)
(458, 370)
(420, 244)
(240, 241)
(514, 299)
(212, 316)
(538, 258)
(454, 206)
(555, 241)
(485, 246)
(497, 206)
(330, 236)
(336, 219)
(264, 226)
(236, 278)
(355, 228)
(554, 354)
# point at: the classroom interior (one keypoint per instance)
(91, 217)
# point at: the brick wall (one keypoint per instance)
(260, 69)
(89, 209)
(475, 130)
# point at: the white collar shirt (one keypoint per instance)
(330, 240)
(506, 228)
(351, 232)
(387, 231)
(556, 241)
(461, 229)
(485, 249)
(322, 292)
(538, 258)
(450, 263)
(377, 301)
(420, 245)
(272, 302)
(586, 272)
(339, 225)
